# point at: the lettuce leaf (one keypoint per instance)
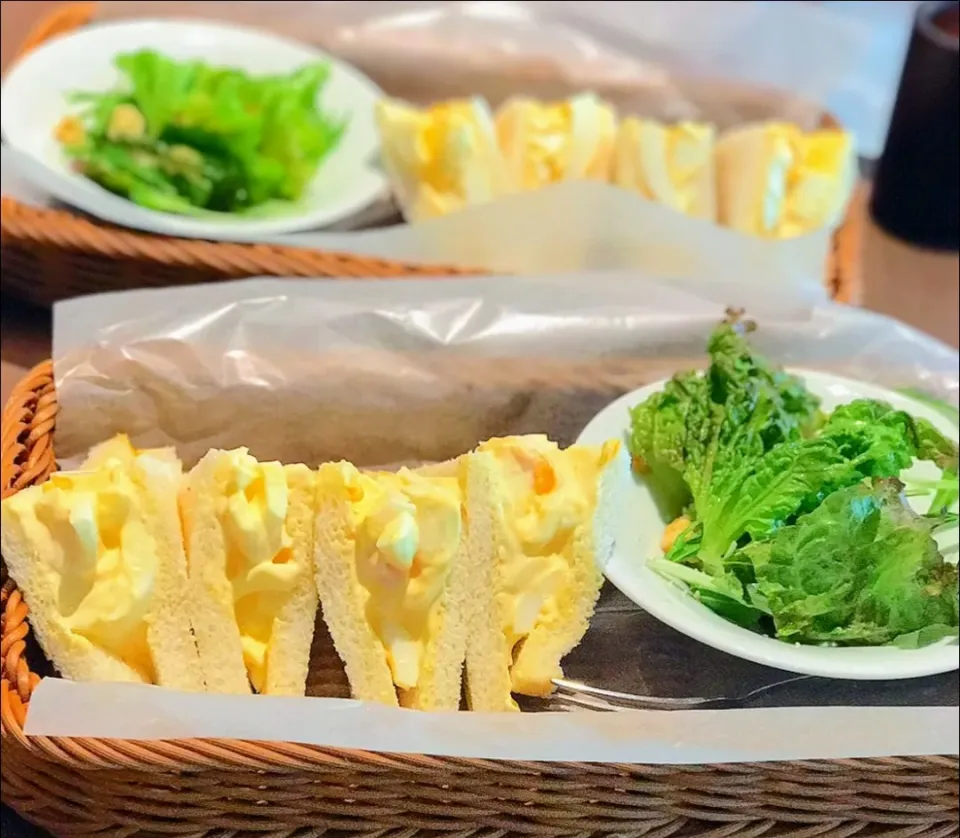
(861, 569)
(739, 376)
(220, 139)
(753, 452)
(926, 636)
(701, 426)
(754, 496)
(763, 475)
(658, 439)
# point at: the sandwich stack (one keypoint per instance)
(214, 580)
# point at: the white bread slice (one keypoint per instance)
(215, 579)
(346, 603)
(288, 654)
(495, 667)
(162, 643)
(210, 592)
(488, 655)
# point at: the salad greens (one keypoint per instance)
(792, 522)
(185, 137)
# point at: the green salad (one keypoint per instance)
(791, 521)
(185, 137)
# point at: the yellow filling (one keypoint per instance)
(549, 143)
(260, 562)
(665, 163)
(547, 495)
(446, 154)
(406, 531)
(102, 557)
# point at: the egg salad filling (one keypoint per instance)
(260, 561)
(553, 142)
(547, 493)
(807, 179)
(444, 157)
(406, 530)
(666, 164)
(103, 559)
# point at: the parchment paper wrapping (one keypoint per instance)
(382, 371)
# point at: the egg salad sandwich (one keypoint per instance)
(440, 159)
(669, 164)
(777, 181)
(394, 581)
(544, 520)
(248, 530)
(98, 556)
(545, 143)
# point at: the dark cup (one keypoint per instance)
(916, 193)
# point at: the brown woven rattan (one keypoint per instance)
(52, 254)
(83, 787)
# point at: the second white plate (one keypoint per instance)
(35, 99)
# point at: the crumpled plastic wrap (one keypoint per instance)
(383, 372)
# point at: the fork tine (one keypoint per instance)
(585, 695)
(566, 689)
(572, 702)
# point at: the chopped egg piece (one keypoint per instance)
(70, 131)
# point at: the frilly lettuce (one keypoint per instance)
(862, 568)
(767, 480)
(186, 137)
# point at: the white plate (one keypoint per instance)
(640, 529)
(34, 100)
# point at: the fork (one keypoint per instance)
(574, 695)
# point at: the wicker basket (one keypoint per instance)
(77, 787)
(51, 254)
